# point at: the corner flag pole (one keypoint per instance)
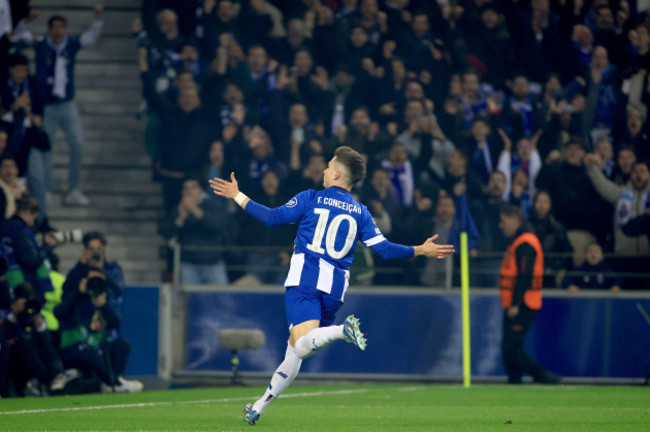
(464, 284)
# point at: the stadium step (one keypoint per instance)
(116, 21)
(125, 203)
(104, 158)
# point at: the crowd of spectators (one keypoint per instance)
(538, 103)
(58, 333)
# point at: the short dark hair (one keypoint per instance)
(57, 18)
(628, 147)
(27, 203)
(641, 162)
(352, 160)
(94, 235)
(511, 211)
(7, 155)
(17, 59)
(575, 140)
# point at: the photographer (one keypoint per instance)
(94, 255)
(27, 260)
(87, 322)
(32, 353)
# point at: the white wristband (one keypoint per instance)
(240, 198)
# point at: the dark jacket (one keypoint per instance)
(184, 137)
(45, 63)
(574, 198)
(23, 253)
(553, 238)
(214, 229)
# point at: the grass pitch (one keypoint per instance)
(344, 408)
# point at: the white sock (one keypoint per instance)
(317, 339)
(281, 379)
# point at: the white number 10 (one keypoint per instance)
(332, 231)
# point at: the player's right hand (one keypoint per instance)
(227, 189)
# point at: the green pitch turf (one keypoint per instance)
(344, 408)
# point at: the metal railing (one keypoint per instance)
(484, 267)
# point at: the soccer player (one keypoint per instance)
(330, 223)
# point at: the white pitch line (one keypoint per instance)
(151, 404)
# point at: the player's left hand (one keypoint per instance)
(433, 250)
(227, 189)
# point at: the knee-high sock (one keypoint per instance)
(317, 339)
(281, 379)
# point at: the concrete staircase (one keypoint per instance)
(125, 203)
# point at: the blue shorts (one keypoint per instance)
(305, 304)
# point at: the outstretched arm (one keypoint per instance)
(289, 213)
(388, 250)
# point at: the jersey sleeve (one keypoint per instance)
(369, 234)
(289, 213)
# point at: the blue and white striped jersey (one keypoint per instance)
(331, 222)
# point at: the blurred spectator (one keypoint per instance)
(624, 162)
(94, 256)
(379, 197)
(603, 90)
(553, 238)
(262, 157)
(483, 150)
(309, 177)
(574, 198)
(200, 223)
(637, 130)
(434, 273)
(525, 162)
(596, 273)
(10, 186)
(488, 40)
(27, 141)
(187, 130)
(401, 173)
(490, 238)
(33, 353)
(87, 321)
(471, 102)
(217, 166)
(364, 135)
(27, 260)
(520, 114)
(459, 179)
(284, 49)
(268, 264)
(603, 148)
(56, 58)
(630, 201)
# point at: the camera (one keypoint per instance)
(95, 286)
(70, 236)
